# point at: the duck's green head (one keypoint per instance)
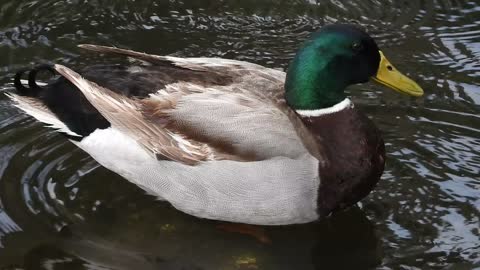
(332, 59)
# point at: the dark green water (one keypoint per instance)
(60, 210)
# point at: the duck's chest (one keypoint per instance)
(354, 158)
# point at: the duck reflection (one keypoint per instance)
(168, 239)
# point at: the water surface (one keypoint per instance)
(60, 210)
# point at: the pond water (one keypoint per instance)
(60, 210)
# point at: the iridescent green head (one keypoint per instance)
(332, 59)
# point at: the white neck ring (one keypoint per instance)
(345, 104)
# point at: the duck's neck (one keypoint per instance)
(351, 154)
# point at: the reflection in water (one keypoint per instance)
(60, 210)
(131, 245)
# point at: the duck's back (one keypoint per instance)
(234, 107)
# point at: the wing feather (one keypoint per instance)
(126, 115)
(265, 83)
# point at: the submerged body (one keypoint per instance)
(215, 137)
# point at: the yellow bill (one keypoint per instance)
(389, 76)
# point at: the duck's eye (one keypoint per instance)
(357, 46)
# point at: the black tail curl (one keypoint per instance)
(62, 98)
(33, 88)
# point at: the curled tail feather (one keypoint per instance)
(57, 103)
(33, 88)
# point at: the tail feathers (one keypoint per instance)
(28, 99)
(40, 112)
(57, 103)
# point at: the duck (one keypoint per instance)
(224, 139)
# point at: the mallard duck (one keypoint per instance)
(224, 139)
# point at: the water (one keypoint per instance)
(60, 210)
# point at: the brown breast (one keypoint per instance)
(354, 157)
